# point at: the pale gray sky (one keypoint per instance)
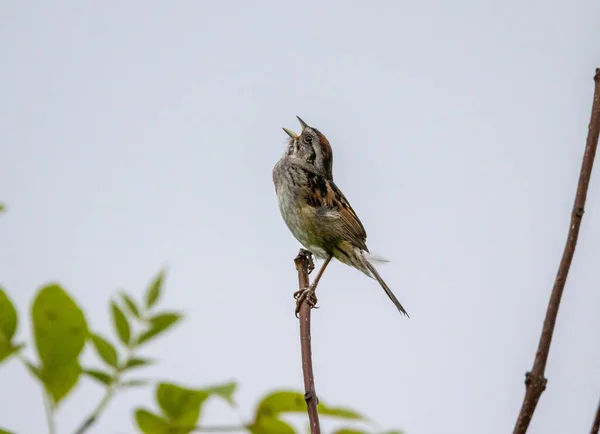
(143, 133)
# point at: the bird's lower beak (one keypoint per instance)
(290, 133)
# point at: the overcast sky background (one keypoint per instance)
(141, 134)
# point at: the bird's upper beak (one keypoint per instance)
(292, 134)
(302, 123)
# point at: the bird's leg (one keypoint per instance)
(309, 293)
(320, 273)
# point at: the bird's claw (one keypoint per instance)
(307, 294)
(309, 258)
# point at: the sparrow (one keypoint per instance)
(316, 211)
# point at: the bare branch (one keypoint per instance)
(303, 261)
(596, 425)
(535, 381)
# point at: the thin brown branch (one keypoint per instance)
(596, 425)
(303, 261)
(535, 380)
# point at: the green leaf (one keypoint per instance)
(7, 349)
(8, 326)
(270, 425)
(225, 391)
(154, 290)
(2, 208)
(342, 413)
(179, 404)
(34, 370)
(59, 328)
(100, 376)
(150, 423)
(105, 350)
(60, 380)
(159, 324)
(137, 362)
(134, 383)
(121, 324)
(3, 431)
(286, 401)
(131, 305)
(8, 316)
(280, 402)
(164, 320)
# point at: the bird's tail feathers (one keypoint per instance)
(375, 258)
(386, 288)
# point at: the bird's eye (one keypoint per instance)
(308, 140)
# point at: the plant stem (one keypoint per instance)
(48, 404)
(49, 412)
(535, 381)
(110, 391)
(92, 418)
(310, 396)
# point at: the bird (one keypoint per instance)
(316, 211)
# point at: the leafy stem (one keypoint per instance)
(110, 390)
(48, 402)
(49, 407)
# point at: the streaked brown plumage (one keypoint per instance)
(316, 211)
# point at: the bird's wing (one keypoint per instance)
(332, 206)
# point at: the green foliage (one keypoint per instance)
(103, 377)
(154, 290)
(270, 425)
(59, 327)
(8, 326)
(106, 350)
(121, 324)
(157, 325)
(180, 407)
(278, 403)
(150, 423)
(60, 332)
(133, 383)
(293, 402)
(224, 391)
(8, 316)
(60, 380)
(131, 304)
(136, 362)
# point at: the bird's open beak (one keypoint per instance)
(290, 133)
(304, 125)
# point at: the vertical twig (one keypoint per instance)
(310, 396)
(535, 381)
(596, 425)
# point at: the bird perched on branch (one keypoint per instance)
(317, 212)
